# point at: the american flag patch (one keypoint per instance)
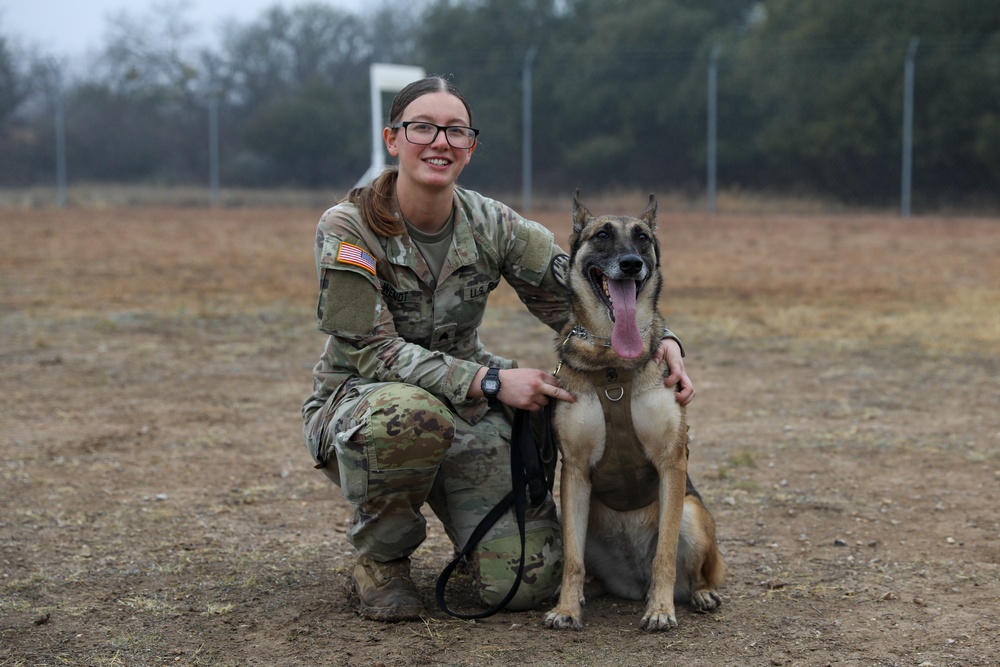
(352, 254)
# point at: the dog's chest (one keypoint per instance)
(624, 478)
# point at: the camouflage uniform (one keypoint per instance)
(389, 420)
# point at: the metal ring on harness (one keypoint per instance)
(621, 394)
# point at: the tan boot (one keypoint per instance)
(386, 591)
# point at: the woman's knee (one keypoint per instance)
(386, 429)
(404, 427)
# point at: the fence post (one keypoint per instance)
(907, 184)
(529, 60)
(713, 72)
(213, 144)
(61, 197)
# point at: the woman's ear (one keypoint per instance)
(389, 137)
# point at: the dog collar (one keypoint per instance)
(580, 332)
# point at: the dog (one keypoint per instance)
(632, 520)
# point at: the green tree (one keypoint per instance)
(14, 84)
(822, 91)
(298, 87)
(623, 74)
(302, 139)
(481, 45)
(287, 49)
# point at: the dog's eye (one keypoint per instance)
(602, 234)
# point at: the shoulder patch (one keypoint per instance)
(537, 249)
(348, 253)
(348, 304)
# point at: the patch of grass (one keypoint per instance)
(26, 584)
(133, 642)
(742, 459)
(143, 603)
(218, 608)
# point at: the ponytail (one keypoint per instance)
(376, 203)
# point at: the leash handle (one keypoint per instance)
(528, 480)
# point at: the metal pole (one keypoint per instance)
(713, 74)
(61, 196)
(213, 145)
(529, 60)
(378, 156)
(907, 184)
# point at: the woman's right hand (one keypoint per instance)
(525, 388)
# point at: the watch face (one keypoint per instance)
(491, 383)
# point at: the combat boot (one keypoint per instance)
(386, 591)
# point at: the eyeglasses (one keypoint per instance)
(422, 133)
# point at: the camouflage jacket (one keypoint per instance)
(390, 321)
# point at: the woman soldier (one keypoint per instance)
(406, 407)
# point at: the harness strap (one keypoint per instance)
(624, 479)
(532, 472)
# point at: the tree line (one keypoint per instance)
(810, 95)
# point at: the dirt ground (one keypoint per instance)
(158, 505)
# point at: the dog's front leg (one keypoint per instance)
(660, 613)
(574, 500)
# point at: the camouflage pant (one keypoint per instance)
(392, 447)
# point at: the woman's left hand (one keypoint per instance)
(678, 380)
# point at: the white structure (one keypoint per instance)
(384, 79)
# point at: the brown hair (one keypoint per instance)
(376, 201)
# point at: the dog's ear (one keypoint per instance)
(580, 213)
(649, 215)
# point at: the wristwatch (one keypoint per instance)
(491, 383)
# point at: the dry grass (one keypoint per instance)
(164, 510)
(103, 197)
(934, 282)
(110, 196)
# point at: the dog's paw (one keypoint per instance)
(706, 600)
(655, 621)
(558, 620)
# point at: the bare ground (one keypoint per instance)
(159, 506)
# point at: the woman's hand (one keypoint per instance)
(525, 388)
(678, 380)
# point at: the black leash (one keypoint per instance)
(532, 472)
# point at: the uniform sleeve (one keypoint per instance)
(352, 311)
(535, 267)
(667, 333)
(385, 357)
(349, 299)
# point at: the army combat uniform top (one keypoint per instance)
(389, 320)
(389, 419)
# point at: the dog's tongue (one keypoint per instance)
(626, 340)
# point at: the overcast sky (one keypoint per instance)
(73, 27)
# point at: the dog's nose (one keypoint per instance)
(630, 264)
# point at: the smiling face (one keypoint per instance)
(435, 165)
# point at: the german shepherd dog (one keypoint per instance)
(629, 510)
